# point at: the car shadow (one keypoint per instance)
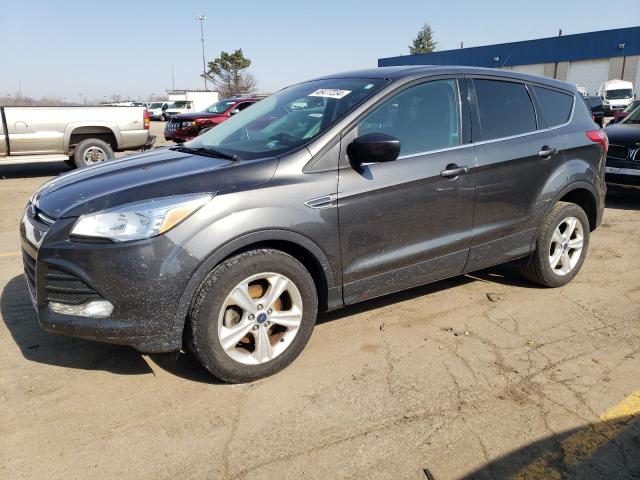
(506, 274)
(39, 346)
(623, 198)
(36, 345)
(607, 449)
(27, 170)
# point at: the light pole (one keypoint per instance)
(202, 18)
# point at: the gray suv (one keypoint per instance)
(327, 193)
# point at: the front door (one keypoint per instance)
(409, 221)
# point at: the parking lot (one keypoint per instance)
(480, 376)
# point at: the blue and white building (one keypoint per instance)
(585, 59)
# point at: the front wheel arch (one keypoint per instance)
(303, 249)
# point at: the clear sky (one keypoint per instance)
(72, 47)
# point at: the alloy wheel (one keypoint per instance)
(566, 246)
(259, 318)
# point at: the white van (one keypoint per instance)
(616, 95)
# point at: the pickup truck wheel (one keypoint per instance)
(561, 246)
(252, 315)
(91, 151)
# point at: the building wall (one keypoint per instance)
(589, 73)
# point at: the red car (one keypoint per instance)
(185, 126)
(622, 114)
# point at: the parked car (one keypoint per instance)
(616, 95)
(157, 110)
(385, 179)
(176, 108)
(623, 158)
(619, 116)
(80, 136)
(597, 109)
(186, 126)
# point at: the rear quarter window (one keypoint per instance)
(556, 106)
(505, 108)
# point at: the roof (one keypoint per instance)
(402, 72)
(581, 46)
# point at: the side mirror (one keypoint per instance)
(373, 148)
(234, 111)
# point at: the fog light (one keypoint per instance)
(93, 309)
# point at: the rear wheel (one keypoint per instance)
(253, 315)
(91, 151)
(561, 246)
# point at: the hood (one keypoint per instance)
(624, 134)
(197, 115)
(159, 173)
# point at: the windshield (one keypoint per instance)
(220, 107)
(633, 117)
(155, 105)
(288, 119)
(619, 94)
(632, 106)
(180, 104)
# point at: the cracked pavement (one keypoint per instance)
(443, 377)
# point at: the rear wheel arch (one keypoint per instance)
(80, 133)
(585, 199)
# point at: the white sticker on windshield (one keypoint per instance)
(330, 93)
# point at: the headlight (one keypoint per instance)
(139, 220)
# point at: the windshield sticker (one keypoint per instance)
(315, 115)
(330, 93)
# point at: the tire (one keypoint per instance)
(538, 268)
(203, 131)
(215, 313)
(85, 149)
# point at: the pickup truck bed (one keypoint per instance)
(84, 135)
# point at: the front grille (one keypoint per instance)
(64, 287)
(619, 152)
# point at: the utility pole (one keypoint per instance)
(173, 79)
(202, 18)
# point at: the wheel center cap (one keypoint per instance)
(565, 246)
(261, 318)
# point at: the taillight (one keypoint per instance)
(598, 136)
(146, 119)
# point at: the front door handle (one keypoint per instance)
(452, 170)
(547, 151)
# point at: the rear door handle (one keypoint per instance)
(452, 170)
(546, 152)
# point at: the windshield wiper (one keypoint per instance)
(209, 152)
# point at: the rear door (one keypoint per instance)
(516, 154)
(404, 223)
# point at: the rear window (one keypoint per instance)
(556, 106)
(505, 109)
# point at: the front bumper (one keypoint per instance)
(144, 280)
(180, 134)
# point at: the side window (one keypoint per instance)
(242, 106)
(423, 117)
(505, 108)
(556, 106)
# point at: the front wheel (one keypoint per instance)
(561, 246)
(252, 315)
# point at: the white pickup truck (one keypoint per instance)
(80, 136)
